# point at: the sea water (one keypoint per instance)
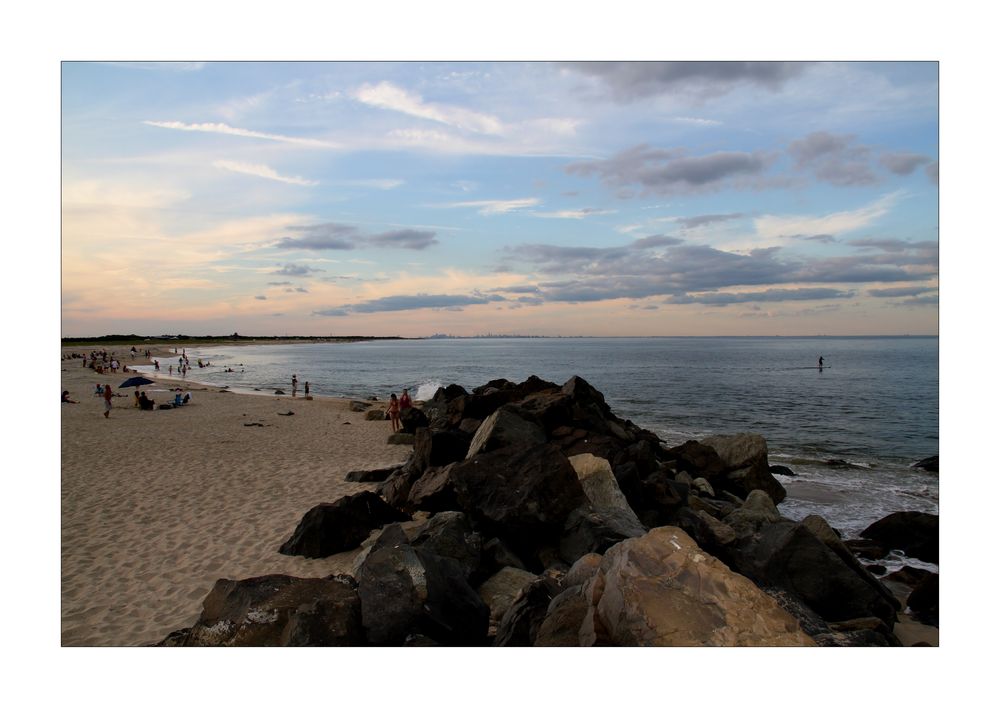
(873, 406)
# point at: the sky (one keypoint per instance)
(465, 198)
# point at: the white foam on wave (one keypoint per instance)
(426, 390)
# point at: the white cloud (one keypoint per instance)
(573, 213)
(373, 183)
(390, 97)
(840, 222)
(242, 132)
(264, 171)
(706, 122)
(489, 207)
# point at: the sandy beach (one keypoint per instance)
(158, 505)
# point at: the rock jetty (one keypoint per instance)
(529, 514)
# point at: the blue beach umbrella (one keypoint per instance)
(136, 381)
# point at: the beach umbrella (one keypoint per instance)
(135, 381)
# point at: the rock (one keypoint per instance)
(505, 427)
(781, 470)
(697, 459)
(359, 406)
(450, 535)
(521, 495)
(406, 590)
(707, 531)
(601, 487)
(908, 576)
(376, 414)
(662, 497)
(757, 511)
(915, 533)
(520, 624)
(565, 615)
(501, 589)
(434, 448)
(433, 491)
(924, 600)
(594, 530)
(582, 570)
(469, 426)
(866, 548)
(379, 475)
(396, 489)
(663, 590)
(703, 486)
(788, 555)
(497, 555)
(411, 419)
(277, 611)
(745, 459)
(929, 464)
(331, 528)
(400, 439)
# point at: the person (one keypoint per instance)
(156, 363)
(99, 391)
(821, 362)
(107, 400)
(295, 384)
(394, 412)
(307, 388)
(145, 403)
(404, 400)
(136, 399)
(177, 399)
(187, 399)
(171, 370)
(66, 398)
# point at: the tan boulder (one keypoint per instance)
(600, 486)
(663, 590)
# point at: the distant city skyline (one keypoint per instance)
(414, 198)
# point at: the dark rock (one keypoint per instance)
(501, 589)
(496, 555)
(789, 555)
(406, 590)
(707, 531)
(520, 624)
(590, 530)
(449, 393)
(376, 414)
(435, 448)
(781, 470)
(469, 426)
(697, 459)
(359, 406)
(867, 549)
(505, 427)
(372, 475)
(396, 489)
(564, 617)
(876, 569)
(663, 496)
(915, 533)
(924, 599)
(331, 528)
(277, 611)
(411, 419)
(756, 512)
(929, 464)
(450, 535)
(401, 439)
(909, 576)
(434, 491)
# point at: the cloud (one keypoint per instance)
(260, 297)
(903, 163)
(629, 81)
(721, 299)
(901, 292)
(296, 270)
(261, 171)
(835, 159)
(932, 172)
(573, 213)
(390, 97)
(280, 283)
(771, 226)
(656, 241)
(397, 303)
(383, 184)
(345, 237)
(671, 172)
(694, 222)
(404, 238)
(490, 207)
(165, 66)
(241, 132)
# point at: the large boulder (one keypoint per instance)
(790, 556)
(408, 590)
(277, 611)
(411, 419)
(757, 511)
(520, 623)
(744, 456)
(450, 535)
(601, 487)
(594, 530)
(501, 589)
(396, 488)
(331, 528)
(915, 533)
(663, 590)
(505, 427)
(697, 459)
(433, 448)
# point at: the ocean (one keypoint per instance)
(873, 406)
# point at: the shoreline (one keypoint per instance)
(158, 505)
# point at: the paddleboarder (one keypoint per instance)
(821, 362)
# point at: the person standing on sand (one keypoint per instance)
(307, 389)
(107, 400)
(394, 412)
(404, 400)
(295, 384)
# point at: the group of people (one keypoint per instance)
(295, 385)
(397, 406)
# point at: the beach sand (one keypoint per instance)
(158, 505)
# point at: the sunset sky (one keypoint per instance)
(413, 198)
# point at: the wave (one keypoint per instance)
(426, 390)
